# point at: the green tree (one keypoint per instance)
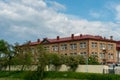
(6, 54)
(82, 59)
(23, 56)
(55, 59)
(41, 64)
(73, 62)
(93, 60)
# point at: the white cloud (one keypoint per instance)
(56, 6)
(27, 19)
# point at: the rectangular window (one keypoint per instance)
(73, 53)
(63, 46)
(46, 48)
(94, 44)
(102, 56)
(110, 56)
(83, 45)
(102, 45)
(94, 54)
(110, 46)
(55, 48)
(84, 54)
(73, 46)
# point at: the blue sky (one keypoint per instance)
(24, 20)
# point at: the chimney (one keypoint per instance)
(104, 37)
(80, 35)
(72, 36)
(111, 37)
(58, 37)
(29, 42)
(38, 40)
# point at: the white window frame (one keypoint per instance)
(55, 48)
(63, 46)
(83, 44)
(73, 46)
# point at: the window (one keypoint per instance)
(55, 48)
(94, 44)
(46, 48)
(63, 46)
(83, 45)
(73, 53)
(102, 56)
(94, 54)
(73, 46)
(110, 46)
(102, 45)
(110, 56)
(84, 54)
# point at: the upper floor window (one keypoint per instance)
(94, 44)
(83, 45)
(46, 47)
(73, 46)
(63, 46)
(55, 48)
(110, 46)
(102, 45)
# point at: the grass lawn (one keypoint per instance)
(44, 79)
(17, 75)
(10, 79)
(60, 79)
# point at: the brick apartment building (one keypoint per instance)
(85, 45)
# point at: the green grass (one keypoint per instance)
(17, 75)
(44, 79)
(10, 79)
(60, 79)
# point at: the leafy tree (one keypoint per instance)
(56, 60)
(73, 62)
(93, 60)
(81, 59)
(6, 54)
(23, 56)
(42, 62)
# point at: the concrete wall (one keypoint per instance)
(81, 68)
(91, 68)
(85, 68)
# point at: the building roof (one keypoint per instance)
(75, 38)
(72, 38)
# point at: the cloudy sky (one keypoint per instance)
(24, 20)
